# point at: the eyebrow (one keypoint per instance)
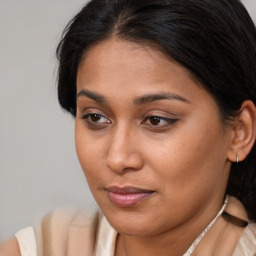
(145, 99)
(148, 98)
(92, 95)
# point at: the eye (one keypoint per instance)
(159, 121)
(95, 119)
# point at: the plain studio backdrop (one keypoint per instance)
(39, 167)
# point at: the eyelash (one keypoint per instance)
(90, 122)
(169, 121)
(94, 123)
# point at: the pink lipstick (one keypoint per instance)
(127, 196)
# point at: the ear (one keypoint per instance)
(243, 132)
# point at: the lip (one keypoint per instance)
(127, 196)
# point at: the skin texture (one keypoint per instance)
(10, 248)
(183, 155)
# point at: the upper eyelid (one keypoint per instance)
(96, 110)
(159, 116)
(93, 113)
(91, 110)
(167, 115)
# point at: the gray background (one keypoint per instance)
(39, 167)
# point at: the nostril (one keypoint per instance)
(123, 163)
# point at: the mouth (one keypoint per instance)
(127, 196)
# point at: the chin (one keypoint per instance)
(132, 223)
(132, 229)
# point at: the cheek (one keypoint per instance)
(193, 156)
(89, 153)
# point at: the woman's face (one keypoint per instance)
(149, 139)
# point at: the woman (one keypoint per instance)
(163, 94)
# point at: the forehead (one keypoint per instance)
(127, 64)
(116, 57)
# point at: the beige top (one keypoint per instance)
(72, 232)
(80, 241)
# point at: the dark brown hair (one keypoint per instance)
(214, 39)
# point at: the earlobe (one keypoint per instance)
(243, 132)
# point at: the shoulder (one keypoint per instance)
(79, 232)
(67, 229)
(60, 232)
(10, 248)
(247, 243)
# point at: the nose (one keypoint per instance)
(123, 153)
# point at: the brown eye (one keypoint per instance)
(159, 121)
(95, 117)
(155, 120)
